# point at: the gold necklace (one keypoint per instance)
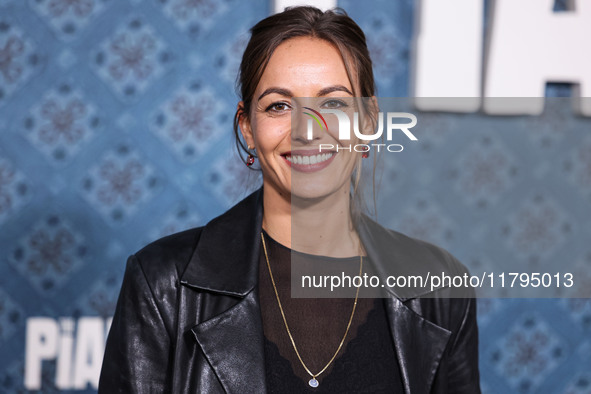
(312, 382)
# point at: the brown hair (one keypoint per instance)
(333, 26)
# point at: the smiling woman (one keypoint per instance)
(301, 67)
(211, 309)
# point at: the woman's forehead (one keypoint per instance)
(305, 65)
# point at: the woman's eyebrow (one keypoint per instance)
(323, 92)
(281, 91)
(334, 88)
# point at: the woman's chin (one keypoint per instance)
(312, 191)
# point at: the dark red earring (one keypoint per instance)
(365, 154)
(250, 158)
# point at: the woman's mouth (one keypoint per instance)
(308, 161)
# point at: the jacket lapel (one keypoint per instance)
(225, 265)
(419, 346)
(233, 345)
(419, 343)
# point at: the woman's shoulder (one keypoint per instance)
(169, 255)
(198, 255)
(410, 251)
(445, 260)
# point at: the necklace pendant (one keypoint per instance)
(313, 382)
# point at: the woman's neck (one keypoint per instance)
(321, 226)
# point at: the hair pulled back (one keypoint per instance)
(333, 26)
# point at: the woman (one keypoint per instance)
(209, 310)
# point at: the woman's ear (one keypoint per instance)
(244, 123)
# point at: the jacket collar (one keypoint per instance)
(235, 236)
(233, 344)
(230, 238)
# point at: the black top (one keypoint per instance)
(366, 363)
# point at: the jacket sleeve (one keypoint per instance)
(138, 349)
(464, 376)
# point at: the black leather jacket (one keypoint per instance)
(188, 318)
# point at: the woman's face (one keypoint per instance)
(276, 126)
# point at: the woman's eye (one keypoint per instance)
(278, 107)
(334, 104)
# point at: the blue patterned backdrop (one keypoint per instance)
(115, 129)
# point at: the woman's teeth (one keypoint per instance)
(297, 159)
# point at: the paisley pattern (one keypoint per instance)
(49, 253)
(14, 190)
(186, 122)
(68, 18)
(115, 130)
(535, 352)
(131, 59)
(19, 60)
(61, 123)
(119, 183)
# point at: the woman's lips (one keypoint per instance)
(308, 161)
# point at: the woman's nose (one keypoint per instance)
(306, 125)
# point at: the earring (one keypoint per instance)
(365, 154)
(250, 158)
